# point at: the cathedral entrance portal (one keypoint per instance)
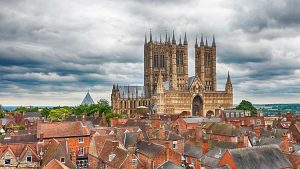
(197, 109)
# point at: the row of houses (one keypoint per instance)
(166, 141)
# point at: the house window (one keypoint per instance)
(80, 140)
(227, 114)
(237, 114)
(251, 122)
(29, 159)
(80, 151)
(290, 149)
(134, 162)
(7, 161)
(242, 114)
(174, 144)
(232, 114)
(243, 122)
(258, 122)
(62, 159)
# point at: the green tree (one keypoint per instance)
(102, 106)
(247, 106)
(58, 114)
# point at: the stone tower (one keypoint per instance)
(205, 64)
(168, 58)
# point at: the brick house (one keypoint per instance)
(19, 156)
(153, 155)
(54, 150)
(295, 130)
(76, 134)
(268, 157)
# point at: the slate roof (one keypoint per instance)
(192, 151)
(55, 164)
(87, 99)
(201, 119)
(32, 115)
(149, 150)
(260, 157)
(213, 156)
(169, 165)
(131, 138)
(62, 129)
(18, 139)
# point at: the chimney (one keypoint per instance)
(115, 144)
(204, 145)
(96, 115)
(198, 132)
(83, 120)
(41, 137)
(167, 148)
(114, 122)
(257, 132)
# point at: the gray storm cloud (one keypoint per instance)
(57, 50)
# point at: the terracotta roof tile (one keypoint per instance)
(63, 129)
(55, 164)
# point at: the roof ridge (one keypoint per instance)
(255, 147)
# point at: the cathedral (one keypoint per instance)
(168, 89)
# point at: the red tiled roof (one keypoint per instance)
(55, 164)
(62, 129)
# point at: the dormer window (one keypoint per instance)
(111, 157)
(232, 114)
(290, 149)
(29, 159)
(62, 159)
(227, 114)
(7, 161)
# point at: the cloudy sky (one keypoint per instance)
(52, 52)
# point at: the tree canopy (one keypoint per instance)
(58, 114)
(247, 106)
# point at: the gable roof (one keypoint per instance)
(221, 129)
(55, 151)
(32, 115)
(55, 164)
(169, 165)
(262, 157)
(87, 99)
(63, 129)
(149, 149)
(192, 151)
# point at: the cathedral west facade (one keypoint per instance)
(167, 87)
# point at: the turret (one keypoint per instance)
(160, 38)
(180, 40)
(213, 42)
(150, 36)
(185, 40)
(145, 38)
(166, 41)
(173, 38)
(206, 44)
(196, 43)
(228, 86)
(201, 42)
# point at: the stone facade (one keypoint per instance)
(167, 87)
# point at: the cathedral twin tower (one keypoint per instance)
(167, 87)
